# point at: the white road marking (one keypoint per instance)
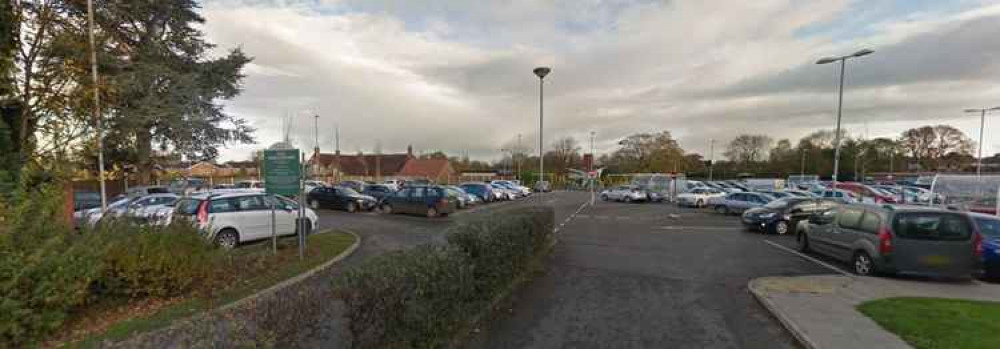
(674, 216)
(806, 257)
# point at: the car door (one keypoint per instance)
(801, 211)
(417, 202)
(846, 231)
(285, 213)
(254, 216)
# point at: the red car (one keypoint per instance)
(865, 192)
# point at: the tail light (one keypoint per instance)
(203, 212)
(978, 241)
(884, 241)
(443, 202)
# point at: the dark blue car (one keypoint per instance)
(481, 190)
(989, 227)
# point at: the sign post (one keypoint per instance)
(282, 176)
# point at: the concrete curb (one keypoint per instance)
(298, 278)
(783, 318)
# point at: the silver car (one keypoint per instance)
(625, 193)
(736, 203)
(896, 239)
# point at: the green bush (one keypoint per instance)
(421, 297)
(47, 270)
(153, 261)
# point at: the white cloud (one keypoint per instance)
(456, 75)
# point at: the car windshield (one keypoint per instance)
(989, 226)
(779, 203)
(348, 191)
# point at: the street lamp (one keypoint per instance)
(97, 104)
(982, 126)
(711, 157)
(840, 104)
(541, 72)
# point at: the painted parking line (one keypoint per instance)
(808, 258)
(702, 227)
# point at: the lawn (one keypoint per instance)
(250, 269)
(929, 323)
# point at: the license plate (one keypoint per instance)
(935, 260)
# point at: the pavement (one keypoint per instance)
(649, 276)
(821, 310)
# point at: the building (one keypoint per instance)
(338, 167)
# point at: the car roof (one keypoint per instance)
(982, 215)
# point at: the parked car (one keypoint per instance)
(885, 239)
(150, 209)
(309, 185)
(801, 193)
(342, 198)
(250, 184)
(782, 216)
(727, 187)
(378, 191)
(483, 191)
(395, 184)
(135, 192)
(844, 196)
(776, 193)
(357, 186)
(867, 194)
(506, 193)
(543, 186)
(699, 197)
(519, 190)
(624, 193)
(181, 186)
(989, 227)
(85, 200)
(90, 217)
(738, 185)
(739, 202)
(234, 218)
(464, 199)
(431, 201)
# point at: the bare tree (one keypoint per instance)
(930, 144)
(748, 149)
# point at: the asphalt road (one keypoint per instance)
(648, 276)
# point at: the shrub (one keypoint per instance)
(154, 261)
(420, 297)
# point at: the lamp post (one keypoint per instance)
(982, 127)
(711, 158)
(840, 104)
(97, 104)
(541, 72)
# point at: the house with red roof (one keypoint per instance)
(338, 167)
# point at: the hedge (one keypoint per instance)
(48, 271)
(421, 297)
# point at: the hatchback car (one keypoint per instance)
(378, 191)
(989, 227)
(483, 191)
(739, 202)
(341, 198)
(890, 239)
(782, 216)
(625, 193)
(234, 218)
(699, 197)
(431, 201)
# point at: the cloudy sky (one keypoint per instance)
(455, 75)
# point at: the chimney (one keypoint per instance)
(409, 150)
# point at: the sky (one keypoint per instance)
(456, 75)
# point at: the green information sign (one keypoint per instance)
(282, 172)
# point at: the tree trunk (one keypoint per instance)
(144, 147)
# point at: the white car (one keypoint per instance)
(233, 218)
(310, 185)
(699, 197)
(625, 193)
(517, 188)
(395, 184)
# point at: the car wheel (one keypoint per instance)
(604, 197)
(803, 241)
(432, 212)
(628, 199)
(781, 228)
(722, 209)
(386, 208)
(699, 203)
(314, 204)
(863, 264)
(352, 207)
(227, 239)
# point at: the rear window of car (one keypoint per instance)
(849, 218)
(989, 226)
(932, 226)
(187, 207)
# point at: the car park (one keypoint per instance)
(431, 201)
(886, 239)
(989, 227)
(481, 190)
(624, 193)
(844, 196)
(699, 197)
(739, 202)
(867, 194)
(342, 198)
(782, 216)
(231, 219)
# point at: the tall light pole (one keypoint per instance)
(593, 156)
(802, 169)
(97, 104)
(518, 161)
(840, 104)
(982, 127)
(541, 72)
(711, 158)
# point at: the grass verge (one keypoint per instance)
(253, 268)
(930, 323)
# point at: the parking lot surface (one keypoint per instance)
(650, 276)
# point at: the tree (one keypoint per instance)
(437, 154)
(8, 112)
(163, 90)
(647, 152)
(929, 145)
(565, 154)
(748, 149)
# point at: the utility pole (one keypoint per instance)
(541, 72)
(802, 169)
(518, 157)
(97, 105)
(711, 158)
